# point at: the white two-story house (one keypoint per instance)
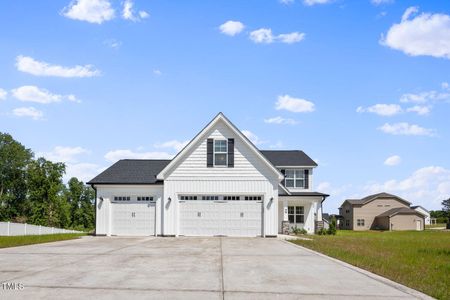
(220, 184)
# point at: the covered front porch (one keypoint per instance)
(300, 211)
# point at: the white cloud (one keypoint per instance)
(64, 154)
(290, 38)
(426, 186)
(265, 36)
(143, 14)
(381, 2)
(420, 110)
(113, 43)
(82, 171)
(157, 72)
(3, 94)
(262, 35)
(314, 2)
(253, 137)
(30, 112)
(392, 160)
(129, 14)
(231, 28)
(292, 104)
(31, 93)
(286, 2)
(39, 68)
(174, 144)
(424, 97)
(382, 109)
(406, 129)
(92, 11)
(280, 120)
(445, 86)
(424, 34)
(115, 155)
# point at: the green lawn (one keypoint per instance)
(13, 241)
(418, 259)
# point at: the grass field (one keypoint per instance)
(418, 259)
(13, 241)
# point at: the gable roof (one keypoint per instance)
(288, 158)
(370, 198)
(418, 206)
(219, 117)
(131, 171)
(399, 211)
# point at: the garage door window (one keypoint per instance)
(296, 214)
(144, 198)
(188, 197)
(122, 198)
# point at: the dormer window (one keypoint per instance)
(295, 179)
(220, 152)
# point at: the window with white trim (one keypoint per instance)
(122, 198)
(220, 152)
(252, 198)
(296, 214)
(295, 178)
(360, 222)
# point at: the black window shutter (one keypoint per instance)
(230, 153)
(209, 153)
(306, 179)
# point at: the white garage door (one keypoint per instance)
(133, 219)
(220, 218)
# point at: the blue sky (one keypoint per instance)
(360, 86)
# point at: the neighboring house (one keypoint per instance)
(424, 212)
(380, 211)
(219, 184)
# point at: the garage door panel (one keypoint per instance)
(133, 219)
(229, 218)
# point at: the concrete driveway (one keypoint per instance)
(197, 268)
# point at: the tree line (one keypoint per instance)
(32, 190)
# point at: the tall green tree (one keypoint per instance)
(46, 203)
(80, 197)
(446, 207)
(14, 160)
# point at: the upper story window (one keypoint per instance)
(220, 152)
(295, 179)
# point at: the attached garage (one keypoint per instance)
(221, 216)
(133, 217)
(401, 218)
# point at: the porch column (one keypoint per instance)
(285, 222)
(285, 210)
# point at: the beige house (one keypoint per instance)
(381, 211)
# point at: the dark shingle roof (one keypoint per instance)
(131, 171)
(144, 171)
(288, 158)
(399, 210)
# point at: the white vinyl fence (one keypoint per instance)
(10, 229)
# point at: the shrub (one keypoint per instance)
(332, 227)
(298, 231)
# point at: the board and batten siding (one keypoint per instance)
(249, 176)
(107, 193)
